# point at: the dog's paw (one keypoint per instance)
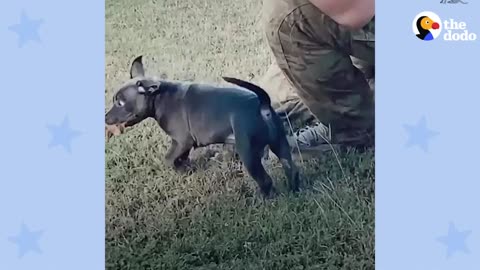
(268, 195)
(184, 166)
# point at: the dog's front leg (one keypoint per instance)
(178, 153)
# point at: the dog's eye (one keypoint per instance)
(120, 103)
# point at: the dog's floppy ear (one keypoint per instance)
(136, 70)
(147, 88)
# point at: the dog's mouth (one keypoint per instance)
(112, 119)
(132, 119)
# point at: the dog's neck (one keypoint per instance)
(166, 89)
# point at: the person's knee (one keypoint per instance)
(333, 88)
(272, 16)
(276, 15)
(322, 74)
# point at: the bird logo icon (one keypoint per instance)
(426, 26)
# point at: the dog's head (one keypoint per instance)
(132, 102)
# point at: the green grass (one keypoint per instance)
(213, 218)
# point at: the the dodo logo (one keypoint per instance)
(427, 26)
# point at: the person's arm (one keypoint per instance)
(350, 13)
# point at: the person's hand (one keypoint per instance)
(353, 14)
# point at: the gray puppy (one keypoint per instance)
(196, 115)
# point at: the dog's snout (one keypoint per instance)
(108, 119)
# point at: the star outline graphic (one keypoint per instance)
(455, 240)
(26, 29)
(419, 134)
(63, 135)
(27, 240)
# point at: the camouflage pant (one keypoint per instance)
(320, 70)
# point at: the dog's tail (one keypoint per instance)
(266, 110)
(262, 95)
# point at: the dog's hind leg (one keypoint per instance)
(282, 150)
(251, 157)
(254, 166)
